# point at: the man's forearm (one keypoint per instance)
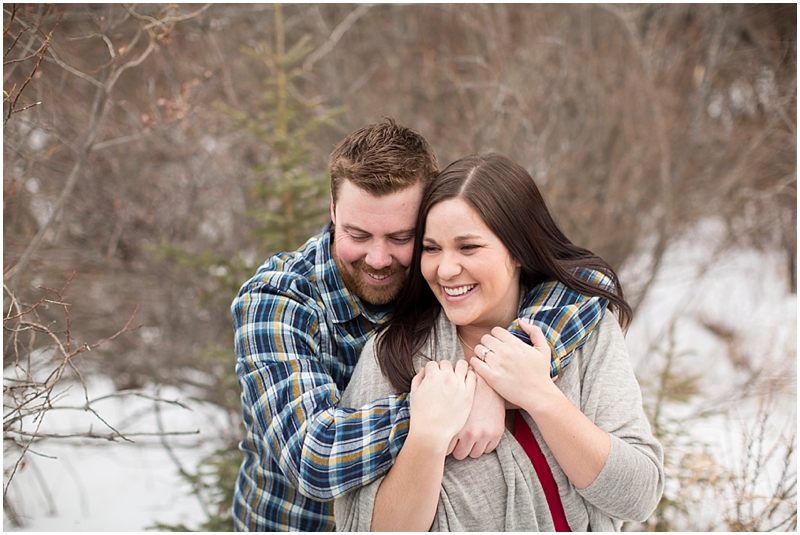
(565, 316)
(290, 398)
(324, 450)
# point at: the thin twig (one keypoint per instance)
(111, 437)
(11, 18)
(45, 48)
(335, 36)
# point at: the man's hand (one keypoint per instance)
(485, 425)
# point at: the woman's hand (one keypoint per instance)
(518, 372)
(441, 400)
(521, 374)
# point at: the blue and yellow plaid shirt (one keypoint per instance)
(298, 335)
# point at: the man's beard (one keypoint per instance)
(355, 280)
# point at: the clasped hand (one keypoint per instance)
(441, 400)
(453, 405)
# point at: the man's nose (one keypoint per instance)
(378, 256)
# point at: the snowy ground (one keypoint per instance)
(113, 487)
(105, 486)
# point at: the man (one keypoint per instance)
(300, 324)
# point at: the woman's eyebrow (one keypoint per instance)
(466, 237)
(458, 239)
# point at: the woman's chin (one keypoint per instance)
(459, 320)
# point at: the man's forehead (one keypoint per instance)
(348, 188)
(357, 209)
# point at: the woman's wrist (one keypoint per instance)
(428, 442)
(544, 400)
(408, 496)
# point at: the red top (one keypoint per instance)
(528, 442)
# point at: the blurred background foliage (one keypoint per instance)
(163, 151)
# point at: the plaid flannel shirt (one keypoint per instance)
(298, 335)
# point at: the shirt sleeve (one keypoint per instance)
(290, 399)
(565, 316)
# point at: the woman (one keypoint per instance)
(578, 452)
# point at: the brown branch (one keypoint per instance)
(36, 53)
(21, 456)
(27, 107)
(12, 46)
(125, 329)
(125, 393)
(28, 398)
(45, 48)
(96, 120)
(83, 76)
(112, 437)
(11, 18)
(31, 309)
(335, 36)
(60, 294)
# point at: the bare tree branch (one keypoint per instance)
(40, 55)
(27, 400)
(96, 122)
(335, 36)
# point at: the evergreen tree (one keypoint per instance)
(290, 204)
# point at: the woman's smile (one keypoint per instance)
(458, 291)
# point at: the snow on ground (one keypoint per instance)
(743, 294)
(733, 316)
(745, 290)
(105, 486)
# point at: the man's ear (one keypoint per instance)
(333, 211)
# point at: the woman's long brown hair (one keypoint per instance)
(509, 202)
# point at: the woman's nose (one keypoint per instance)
(449, 267)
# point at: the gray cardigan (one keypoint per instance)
(500, 491)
